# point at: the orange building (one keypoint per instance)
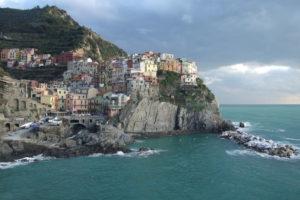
(4, 54)
(170, 65)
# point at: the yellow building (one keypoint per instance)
(46, 99)
(62, 95)
(150, 68)
(50, 100)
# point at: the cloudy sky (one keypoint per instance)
(247, 51)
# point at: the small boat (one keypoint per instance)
(27, 125)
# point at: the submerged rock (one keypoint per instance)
(144, 149)
(242, 125)
(260, 144)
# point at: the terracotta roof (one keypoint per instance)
(102, 92)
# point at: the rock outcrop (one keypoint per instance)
(150, 117)
(260, 144)
(57, 142)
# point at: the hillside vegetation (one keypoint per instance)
(41, 74)
(191, 97)
(52, 30)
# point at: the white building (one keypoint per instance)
(166, 56)
(189, 79)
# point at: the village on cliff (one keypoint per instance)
(92, 88)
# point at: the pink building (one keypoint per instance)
(33, 84)
(77, 101)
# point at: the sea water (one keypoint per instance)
(198, 166)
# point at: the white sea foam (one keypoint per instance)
(139, 141)
(248, 152)
(149, 153)
(138, 154)
(293, 139)
(120, 153)
(237, 124)
(281, 130)
(134, 153)
(23, 161)
(95, 155)
(248, 126)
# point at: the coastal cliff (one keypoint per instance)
(174, 109)
(150, 118)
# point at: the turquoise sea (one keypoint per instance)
(198, 166)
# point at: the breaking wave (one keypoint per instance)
(248, 152)
(292, 139)
(247, 127)
(134, 153)
(281, 130)
(23, 161)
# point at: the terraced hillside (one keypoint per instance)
(52, 30)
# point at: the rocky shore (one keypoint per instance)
(260, 144)
(55, 142)
(146, 118)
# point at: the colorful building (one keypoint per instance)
(170, 65)
(65, 57)
(77, 101)
(188, 67)
(150, 67)
(62, 96)
(112, 104)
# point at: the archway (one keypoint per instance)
(76, 128)
(7, 127)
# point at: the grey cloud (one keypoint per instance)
(275, 86)
(213, 33)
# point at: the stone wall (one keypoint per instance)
(15, 105)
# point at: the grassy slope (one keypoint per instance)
(191, 97)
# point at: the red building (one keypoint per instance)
(129, 63)
(65, 57)
(33, 84)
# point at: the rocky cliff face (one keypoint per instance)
(149, 117)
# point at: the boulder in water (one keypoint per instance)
(144, 149)
(242, 125)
